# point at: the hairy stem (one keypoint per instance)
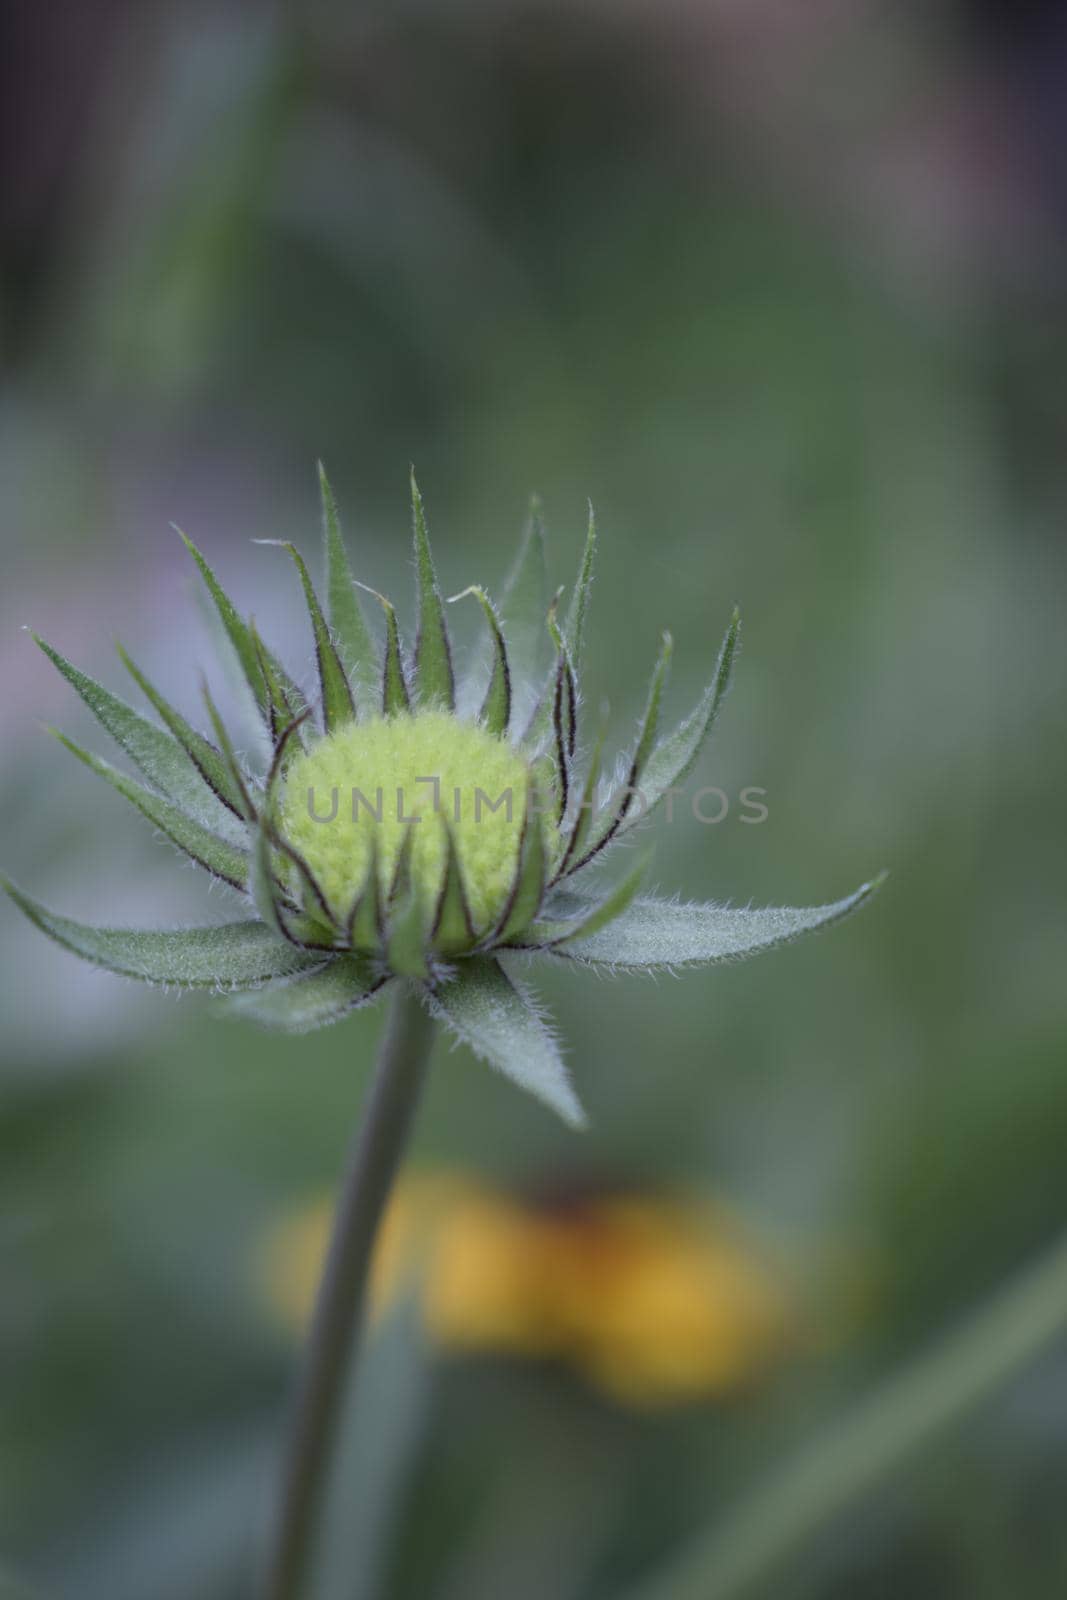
(336, 1328)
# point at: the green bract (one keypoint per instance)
(394, 837)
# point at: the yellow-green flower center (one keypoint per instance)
(356, 792)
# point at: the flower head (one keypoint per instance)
(391, 834)
(657, 1300)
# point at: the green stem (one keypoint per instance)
(751, 1545)
(335, 1331)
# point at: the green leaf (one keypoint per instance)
(590, 917)
(217, 855)
(433, 653)
(356, 647)
(235, 954)
(162, 760)
(209, 762)
(496, 707)
(394, 688)
(528, 889)
(338, 706)
(574, 626)
(654, 934)
(314, 999)
(236, 630)
(498, 1021)
(522, 612)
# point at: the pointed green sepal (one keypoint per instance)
(559, 931)
(657, 934)
(233, 955)
(406, 936)
(434, 681)
(673, 757)
(574, 626)
(313, 1000)
(453, 929)
(522, 614)
(284, 706)
(233, 624)
(366, 921)
(528, 888)
(356, 647)
(621, 804)
(315, 927)
(209, 762)
(582, 820)
(554, 719)
(495, 713)
(338, 706)
(216, 855)
(249, 810)
(496, 1018)
(394, 690)
(162, 760)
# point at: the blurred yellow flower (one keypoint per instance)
(655, 1300)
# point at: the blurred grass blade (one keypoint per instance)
(208, 850)
(314, 999)
(753, 1547)
(655, 934)
(381, 1428)
(434, 681)
(498, 1021)
(162, 760)
(232, 955)
(356, 647)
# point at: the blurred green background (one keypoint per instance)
(781, 289)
